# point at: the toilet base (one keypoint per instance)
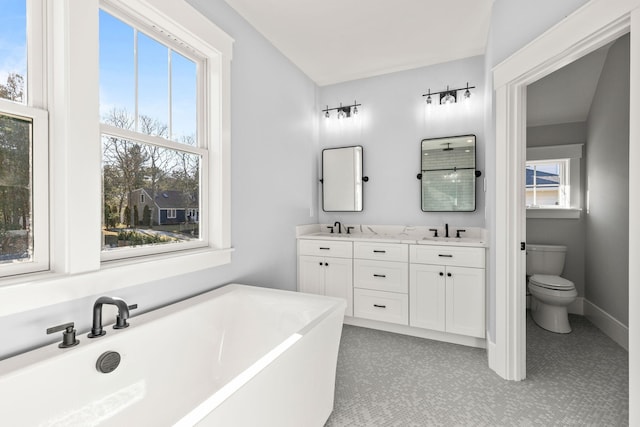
(553, 318)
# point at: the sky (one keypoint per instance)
(13, 38)
(117, 69)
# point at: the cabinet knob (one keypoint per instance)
(320, 263)
(441, 273)
(326, 264)
(449, 274)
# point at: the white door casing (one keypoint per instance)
(595, 24)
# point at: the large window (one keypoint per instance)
(153, 156)
(23, 142)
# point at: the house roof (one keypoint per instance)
(173, 199)
(543, 178)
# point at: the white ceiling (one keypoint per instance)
(566, 95)
(339, 40)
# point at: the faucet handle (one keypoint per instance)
(435, 231)
(331, 228)
(460, 231)
(122, 323)
(349, 230)
(68, 336)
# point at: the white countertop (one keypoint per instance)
(472, 237)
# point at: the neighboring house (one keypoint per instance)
(546, 187)
(167, 206)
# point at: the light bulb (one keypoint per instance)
(355, 110)
(429, 100)
(448, 99)
(326, 113)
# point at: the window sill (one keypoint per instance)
(35, 291)
(559, 213)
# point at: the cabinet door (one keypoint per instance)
(427, 296)
(311, 274)
(338, 280)
(465, 301)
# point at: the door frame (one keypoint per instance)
(595, 24)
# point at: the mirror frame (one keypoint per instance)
(476, 173)
(359, 180)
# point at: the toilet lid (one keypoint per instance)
(552, 282)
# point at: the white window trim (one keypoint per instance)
(75, 213)
(34, 108)
(573, 152)
(172, 213)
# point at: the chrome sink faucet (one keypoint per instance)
(121, 319)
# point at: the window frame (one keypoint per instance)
(155, 30)
(34, 108)
(39, 164)
(572, 153)
(564, 185)
(76, 269)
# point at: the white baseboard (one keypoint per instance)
(607, 324)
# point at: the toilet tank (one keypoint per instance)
(545, 259)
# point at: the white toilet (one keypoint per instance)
(550, 293)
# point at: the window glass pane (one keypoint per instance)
(117, 72)
(183, 99)
(16, 238)
(151, 194)
(153, 87)
(545, 183)
(13, 50)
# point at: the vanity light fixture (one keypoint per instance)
(343, 110)
(449, 96)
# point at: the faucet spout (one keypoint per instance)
(121, 320)
(337, 224)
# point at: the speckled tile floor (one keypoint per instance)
(385, 379)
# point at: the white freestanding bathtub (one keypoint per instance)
(235, 356)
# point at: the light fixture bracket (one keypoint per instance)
(343, 110)
(452, 93)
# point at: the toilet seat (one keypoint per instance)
(555, 283)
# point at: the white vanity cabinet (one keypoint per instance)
(447, 289)
(325, 267)
(400, 279)
(380, 281)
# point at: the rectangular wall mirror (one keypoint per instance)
(342, 179)
(448, 174)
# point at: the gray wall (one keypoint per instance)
(394, 119)
(607, 221)
(514, 23)
(274, 142)
(569, 232)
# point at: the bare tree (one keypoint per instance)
(13, 90)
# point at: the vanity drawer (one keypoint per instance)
(381, 251)
(383, 306)
(447, 255)
(381, 275)
(328, 248)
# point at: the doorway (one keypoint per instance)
(597, 24)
